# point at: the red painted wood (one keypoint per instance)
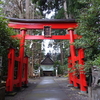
(16, 82)
(83, 83)
(40, 37)
(21, 55)
(72, 76)
(26, 71)
(55, 25)
(10, 78)
(72, 47)
(11, 82)
(72, 52)
(69, 71)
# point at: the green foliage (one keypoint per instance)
(96, 62)
(59, 14)
(87, 14)
(65, 61)
(62, 69)
(89, 26)
(6, 41)
(36, 66)
(56, 63)
(74, 7)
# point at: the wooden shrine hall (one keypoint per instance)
(47, 66)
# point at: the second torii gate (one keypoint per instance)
(23, 25)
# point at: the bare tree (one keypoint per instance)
(21, 9)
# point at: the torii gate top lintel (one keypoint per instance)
(40, 23)
(42, 20)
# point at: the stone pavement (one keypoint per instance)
(48, 88)
(71, 92)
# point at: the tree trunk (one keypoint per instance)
(27, 16)
(62, 58)
(32, 11)
(65, 9)
(20, 15)
(27, 9)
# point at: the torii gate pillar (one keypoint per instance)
(21, 55)
(73, 60)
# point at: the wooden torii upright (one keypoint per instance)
(23, 25)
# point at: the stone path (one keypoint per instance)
(72, 93)
(48, 88)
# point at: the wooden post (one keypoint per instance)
(26, 71)
(73, 55)
(21, 55)
(83, 82)
(11, 63)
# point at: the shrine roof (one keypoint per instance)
(47, 61)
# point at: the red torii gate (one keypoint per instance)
(23, 25)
